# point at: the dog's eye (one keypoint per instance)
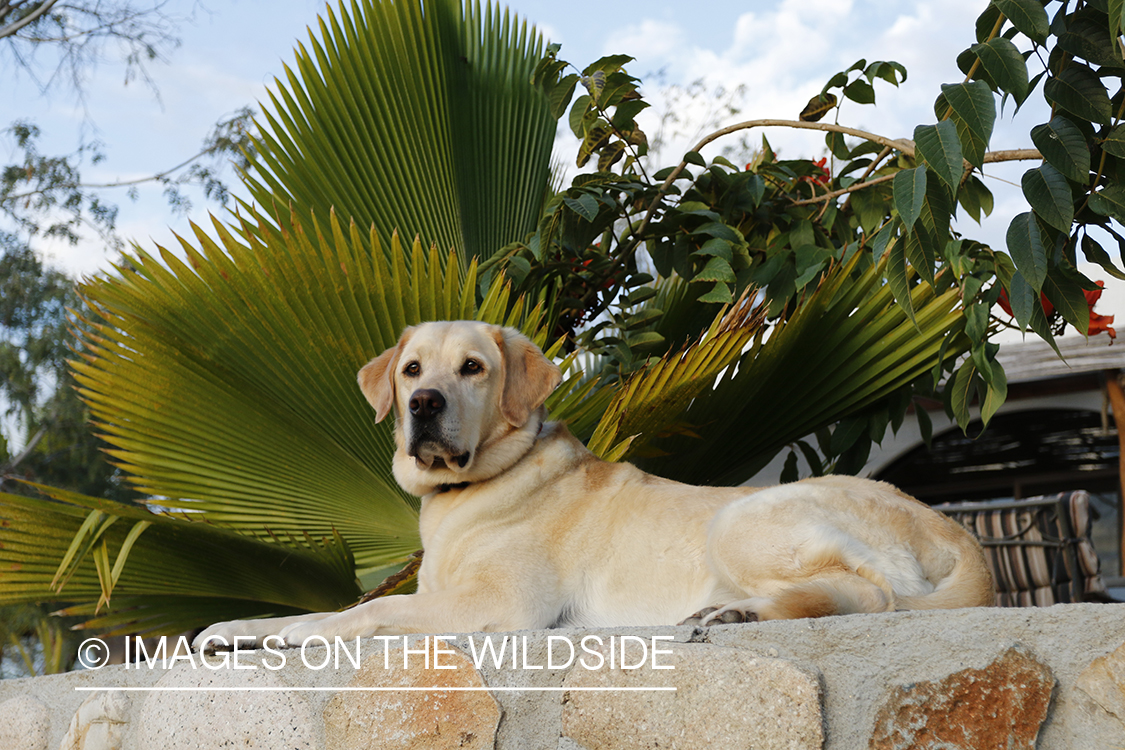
(412, 370)
(471, 367)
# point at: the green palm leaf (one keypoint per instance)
(416, 115)
(848, 346)
(655, 397)
(215, 570)
(226, 385)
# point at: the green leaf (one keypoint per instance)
(578, 114)
(789, 471)
(846, 434)
(1096, 254)
(837, 145)
(1028, 16)
(1116, 10)
(811, 457)
(644, 317)
(860, 91)
(607, 64)
(1048, 192)
(1003, 62)
(585, 205)
(1064, 291)
(234, 574)
(1063, 147)
(921, 252)
(1110, 202)
(925, 424)
(898, 277)
(625, 115)
(849, 345)
(996, 393)
(721, 231)
(1027, 309)
(640, 295)
(561, 95)
(716, 247)
(974, 114)
(1087, 38)
(1114, 143)
(1023, 300)
(655, 396)
(409, 117)
(1025, 244)
(645, 340)
(975, 198)
(717, 269)
(940, 149)
(962, 391)
(1078, 90)
(909, 191)
(693, 157)
(720, 293)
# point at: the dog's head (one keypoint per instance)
(467, 396)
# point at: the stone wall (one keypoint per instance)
(1019, 678)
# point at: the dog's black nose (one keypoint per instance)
(426, 402)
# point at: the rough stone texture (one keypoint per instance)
(1001, 706)
(724, 698)
(1104, 682)
(264, 720)
(418, 720)
(98, 724)
(25, 724)
(860, 658)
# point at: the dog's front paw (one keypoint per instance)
(297, 633)
(224, 636)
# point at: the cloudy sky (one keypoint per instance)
(781, 51)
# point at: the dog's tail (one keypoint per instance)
(968, 584)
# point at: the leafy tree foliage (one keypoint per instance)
(45, 435)
(716, 311)
(784, 225)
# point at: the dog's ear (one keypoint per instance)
(529, 377)
(377, 379)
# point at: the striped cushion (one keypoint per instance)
(1039, 548)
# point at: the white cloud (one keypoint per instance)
(658, 39)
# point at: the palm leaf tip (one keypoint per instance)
(653, 397)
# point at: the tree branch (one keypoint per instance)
(26, 451)
(1019, 154)
(120, 183)
(904, 145)
(15, 26)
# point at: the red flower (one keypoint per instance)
(823, 178)
(1098, 323)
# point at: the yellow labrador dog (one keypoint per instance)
(524, 528)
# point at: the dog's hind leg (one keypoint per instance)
(835, 593)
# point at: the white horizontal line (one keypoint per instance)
(275, 689)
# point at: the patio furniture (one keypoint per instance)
(1038, 548)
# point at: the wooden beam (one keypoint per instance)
(1117, 403)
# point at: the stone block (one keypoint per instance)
(99, 723)
(1104, 682)
(1000, 707)
(269, 718)
(25, 724)
(723, 697)
(396, 713)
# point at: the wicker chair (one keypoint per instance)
(1039, 548)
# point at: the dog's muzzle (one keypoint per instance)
(428, 445)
